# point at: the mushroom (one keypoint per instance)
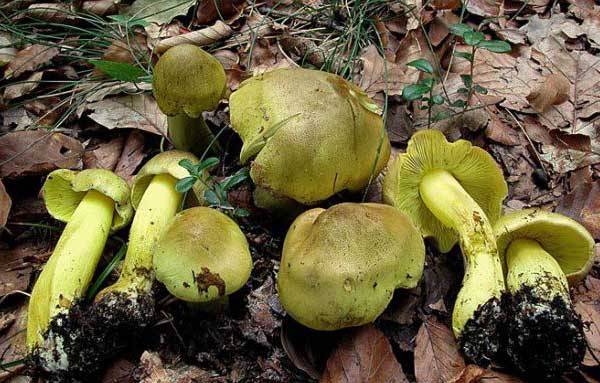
(543, 252)
(453, 192)
(93, 203)
(188, 81)
(129, 302)
(340, 266)
(202, 256)
(311, 134)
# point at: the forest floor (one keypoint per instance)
(76, 94)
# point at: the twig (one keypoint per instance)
(202, 37)
(535, 152)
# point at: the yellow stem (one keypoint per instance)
(71, 267)
(158, 205)
(453, 206)
(529, 264)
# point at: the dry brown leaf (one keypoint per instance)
(105, 155)
(12, 344)
(553, 91)
(262, 323)
(591, 317)
(587, 291)
(201, 37)
(22, 88)
(5, 204)
(7, 52)
(131, 156)
(15, 268)
(138, 111)
(366, 356)
(29, 59)
(583, 205)
(445, 4)
(499, 131)
(564, 160)
(101, 7)
(153, 370)
(437, 359)
(37, 152)
(384, 76)
(210, 11)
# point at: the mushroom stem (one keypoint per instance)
(158, 205)
(530, 265)
(191, 134)
(76, 255)
(453, 206)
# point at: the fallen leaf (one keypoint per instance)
(5, 205)
(500, 131)
(381, 75)
(437, 359)
(307, 349)
(583, 205)
(16, 119)
(364, 356)
(131, 156)
(120, 371)
(153, 370)
(15, 267)
(588, 291)
(7, 52)
(445, 4)
(12, 344)
(138, 111)
(553, 91)
(262, 323)
(591, 317)
(30, 59)
(22, 88)
(36, 152)
(210, 11)
(105, 155)
(564, 160)
(159, 11)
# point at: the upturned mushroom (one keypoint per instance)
(340, 266)
(544, 252)
(93, 203)
(453, 192)
(129, 302)
(310, 135)
(202, 256)
(188, 81)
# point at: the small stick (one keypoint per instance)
(200, 37)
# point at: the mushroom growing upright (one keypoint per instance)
(188, 81)
(202, 256)
(310, 134)
(340, 266)
(544, 252)
(93, 203)
(129, 302)
(453, 192)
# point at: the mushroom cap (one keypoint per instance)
(340, 266)
(202, 256)
(164, 163)
(64, 189)
(473, 168)
(565, 239)
(312, 133)
(188, 80)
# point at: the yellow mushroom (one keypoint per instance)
(543, 252)
(93, 203)
(453, 192)
(310, 135)
(340, 266)
(202, 256)
(188, 81)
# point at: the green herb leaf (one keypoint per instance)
(128, 21)
(480, 89)
(462, 90)
(460, 29)
(437, 99)
(467, 80)
(185, 184)
(188, 165)
(414, 91)
(464, 55)
(496, 46)
(422, 65)
(212, 198)
(236, 179)
(459, 104)
(239, 212)
(206, 163)
(442, 115)
(473, 38)
(120, 71)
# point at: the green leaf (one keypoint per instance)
(462, 90)
(467, 80)
(414, 91)
(120, 71)
(460, 29)
(220, 193)
(159, 11)
(128, 22)
(239, 212)
(429, 81)
(480, 89)
(206, 163)
(444, 114)
(464, 55)
(188, 165)
(438, 99)
(236, 179)
(212, 198)
(422, 65)
(185, 184)
(473, 38)
(496, 46)
(459, 104)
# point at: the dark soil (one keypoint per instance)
(481, 338)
